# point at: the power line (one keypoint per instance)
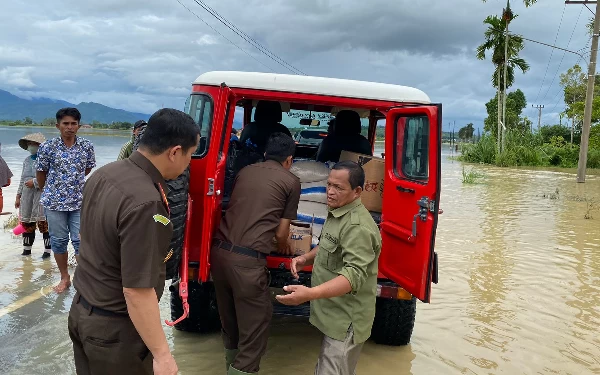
(224, 37)
(252, 40)
(551, 53)
(249, 39)
(587, 47)
(591, 11)
(564, 53)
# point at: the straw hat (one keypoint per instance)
(35, 137)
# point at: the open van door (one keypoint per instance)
(411, 197)
(210, 200)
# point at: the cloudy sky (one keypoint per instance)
(140, 55)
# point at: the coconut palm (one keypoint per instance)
(495, 38)
(495, 42)
(527, 3)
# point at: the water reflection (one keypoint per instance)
(519, 289)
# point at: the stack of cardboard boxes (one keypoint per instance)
(301, 233)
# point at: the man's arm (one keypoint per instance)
(141, 264)
(40, 176)
(142, 306)
(357, 253)
(91, 159)
(282, 235)
(42, 166)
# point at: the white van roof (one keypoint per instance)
(315, 85)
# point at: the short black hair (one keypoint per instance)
(279, 147)
(168, 128)
(68, 111)
(356, 174)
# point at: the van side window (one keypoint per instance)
(200, 107)
(411, 159)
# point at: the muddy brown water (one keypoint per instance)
(519, 289)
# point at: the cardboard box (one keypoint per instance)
(374, 168)
(300, 237)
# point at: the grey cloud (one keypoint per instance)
(142, 54)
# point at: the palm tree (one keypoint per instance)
(495, 42)
(527, 3)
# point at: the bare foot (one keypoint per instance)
(63, 285)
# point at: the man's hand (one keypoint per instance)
(297, 265)
(165, 365)
(29, 183)
(298, 295)
(18, 201)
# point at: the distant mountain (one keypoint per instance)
(14, 108)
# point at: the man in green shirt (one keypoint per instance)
(127, 148)
(344, 275)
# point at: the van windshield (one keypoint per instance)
(311, 137)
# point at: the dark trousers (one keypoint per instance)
(106, 345)
(243, 297)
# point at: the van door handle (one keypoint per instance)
(405, 190)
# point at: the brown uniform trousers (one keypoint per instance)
(245, 307)
(106, 344)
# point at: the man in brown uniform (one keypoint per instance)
(114, 321)
(263, 203)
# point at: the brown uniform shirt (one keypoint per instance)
(125, 233)
(263, 194)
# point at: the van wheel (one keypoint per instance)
(204, 315)
(394, 321)
(178, 199)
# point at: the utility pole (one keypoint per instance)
(539, 108)
(589, 96)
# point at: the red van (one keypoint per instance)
(408, 221)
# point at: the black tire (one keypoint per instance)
(178, 202)
(394, 321)
(204, 315)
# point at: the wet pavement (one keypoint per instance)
(519, 291)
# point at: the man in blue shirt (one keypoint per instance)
(63, 163)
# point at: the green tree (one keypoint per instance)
(48, 122)
(504, 55)
(549, 131)
(574, 84)
(527, 3)
(28, 120)
(495, 38)
(595, 137)
(515, 103)
(466, 132)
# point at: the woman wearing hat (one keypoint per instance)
(28, 197)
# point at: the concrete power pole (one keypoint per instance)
(539, 108)
(589, 96)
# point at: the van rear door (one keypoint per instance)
(207, 183)
(411, 198)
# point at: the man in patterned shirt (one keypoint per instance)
(63, 163)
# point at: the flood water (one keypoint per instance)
(519, 290)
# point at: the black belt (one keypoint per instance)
(99, 311)
(239, 249)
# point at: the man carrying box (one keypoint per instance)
(263, 203)
(344, 276)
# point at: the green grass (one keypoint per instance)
(527, 149)
(11, 222)
(471, 176)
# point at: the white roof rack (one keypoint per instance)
(315, 85)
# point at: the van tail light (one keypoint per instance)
(392, 292)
